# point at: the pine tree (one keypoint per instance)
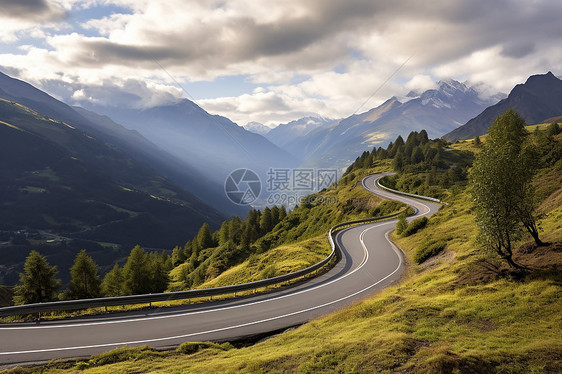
(477, 142)
(187, 249)
(412, 140)
(399, 143)
(253, 219)
(252, 225)
(158, 276)
(417, 156)
(266, 221)
(204, 238)
(167, 260)
(85, 282)
(437, 158)
(178, 256)
(423, 138)
(38, 283)
(246, 238)
(235, 229)
(398, 162)
(113, 282)
(389, 149)
(136, 272)
(368, 162)
(224, 233)
(275, 215)
(282, 213)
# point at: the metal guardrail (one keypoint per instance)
(406, 193)
(179, 295)
(155, 297)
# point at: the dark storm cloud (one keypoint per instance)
(31, 9)
(99, 52)
(518, 50)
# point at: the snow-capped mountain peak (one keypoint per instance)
(257, 128)
(448, 85)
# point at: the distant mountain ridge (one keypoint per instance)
(212, 144)
(286, 133)
(438, 111)
(132, 142)
(32, 143)
(539, 98)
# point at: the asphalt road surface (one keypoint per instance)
(369, 263)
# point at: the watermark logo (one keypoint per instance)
(300, 180)
(284, 186)
(242, 186)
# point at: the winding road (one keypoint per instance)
(370, 262)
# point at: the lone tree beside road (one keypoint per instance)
(38, 281)
(500, 178)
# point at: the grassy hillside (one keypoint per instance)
(300, 234)
(280, 260)
(460, 311)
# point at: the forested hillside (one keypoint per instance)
(241, 250)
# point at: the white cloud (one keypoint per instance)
(420, 83)
(308, 56)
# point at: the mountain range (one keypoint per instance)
(106, 178)
(63, 189)
(213, 145)
(286, 134)
(131, 142)
(257, 128)
(539, 98)
(336, 143)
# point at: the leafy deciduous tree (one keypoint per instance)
(501, 189)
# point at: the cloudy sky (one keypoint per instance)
(273, 61)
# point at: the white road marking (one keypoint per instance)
(183, 336)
